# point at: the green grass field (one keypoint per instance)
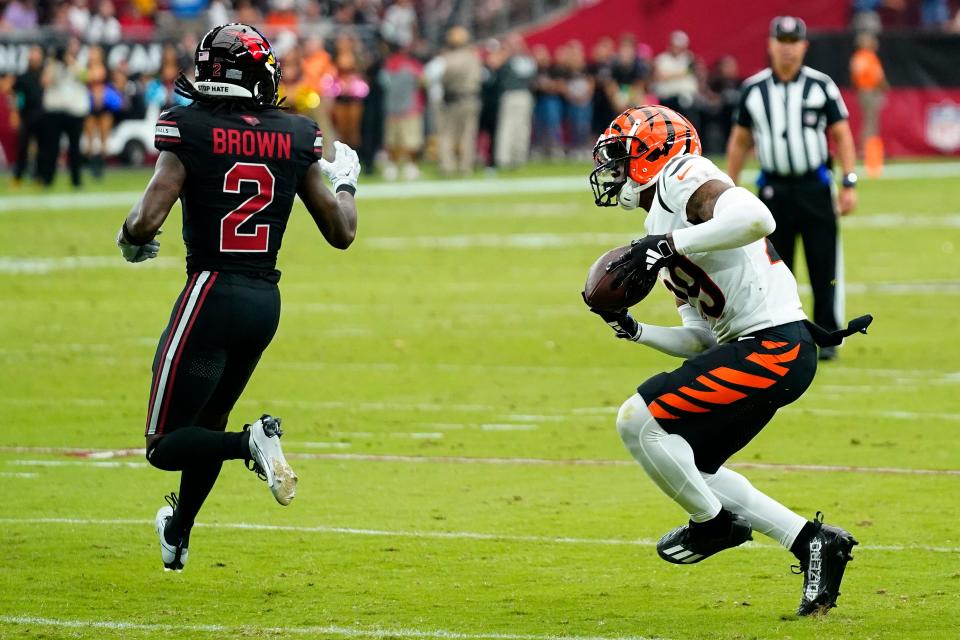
(449, 406)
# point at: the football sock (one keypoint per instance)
(717, 527)
(197, 447)
(765, 515)
(800, 545)
(668, 460)
(195, 486)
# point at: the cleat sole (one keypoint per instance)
(284, 486)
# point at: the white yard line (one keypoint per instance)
(97, 458)
(317, 630)
(434, 535)
(434, 188)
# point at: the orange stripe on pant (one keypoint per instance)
(770, 360)
(659, 412)
(719, 395)
(676, 401)
(770, 344)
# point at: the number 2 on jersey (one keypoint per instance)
(231, 238)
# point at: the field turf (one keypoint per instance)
(449, 406)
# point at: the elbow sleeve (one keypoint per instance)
(739, 218)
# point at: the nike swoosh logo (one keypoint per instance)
(683, 174)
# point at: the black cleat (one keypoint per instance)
(827, 555)
(684, 545)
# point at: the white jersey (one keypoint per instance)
(738, 291)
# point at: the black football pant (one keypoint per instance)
(721, 399)
(220, 325)
(804, 206)
(30, 130)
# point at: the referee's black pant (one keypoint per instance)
(803, 206)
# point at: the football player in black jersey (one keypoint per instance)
(235, 160)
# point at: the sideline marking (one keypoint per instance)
(333, 630)
(573, 183)
(441, 535)
(95, 457)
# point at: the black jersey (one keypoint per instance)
(243, 170)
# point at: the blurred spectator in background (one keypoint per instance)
(318, 73)
(133, 105)
(866, 73)
(159, 92)
(548, 90)
(78, 17)
(459, 119)
(65, 104)
(630, 67)
(104, 102)
(28, 112)
(495, 57)
(104, 26)
(514, 79)
(934, 13)
(579, 87)
(399, 23)
(721, 95)
(606, 90)
(402, 78)
(349, 90)
(19, 15)
(674, 79)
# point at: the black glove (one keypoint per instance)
(647, 255)
(623, 324)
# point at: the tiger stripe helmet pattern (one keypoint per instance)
(637, 145)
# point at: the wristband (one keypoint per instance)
(349, 188)
(128, 237)
(850, 180)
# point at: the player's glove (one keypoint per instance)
(137, 252)
(647, 255)
(344, 171)
(622, 323)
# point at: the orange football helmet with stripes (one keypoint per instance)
(637, 145)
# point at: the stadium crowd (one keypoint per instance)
(373, 73)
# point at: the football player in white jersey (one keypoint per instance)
(747, 345)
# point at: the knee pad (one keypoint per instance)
(631, 418)
(155, 456)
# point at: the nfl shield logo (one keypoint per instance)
(943, 127)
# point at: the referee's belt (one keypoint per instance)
(820, 174)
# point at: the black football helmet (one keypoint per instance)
(236, 61)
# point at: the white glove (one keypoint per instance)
(345, 168)
(135, 252)
(629, 197)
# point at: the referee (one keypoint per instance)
(786, 110)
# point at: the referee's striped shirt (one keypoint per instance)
(789, 119)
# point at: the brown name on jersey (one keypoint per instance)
(260, 144)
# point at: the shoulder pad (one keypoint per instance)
(681, 177)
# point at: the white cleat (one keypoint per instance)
(174, 556)
(268, 461)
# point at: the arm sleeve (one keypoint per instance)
(739, 218)
(309, 145)
(686, 341)
(171, 134)
(835, 108)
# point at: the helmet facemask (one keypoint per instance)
(611, 158)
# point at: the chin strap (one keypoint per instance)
(825, 338)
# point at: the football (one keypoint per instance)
(598, 291)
